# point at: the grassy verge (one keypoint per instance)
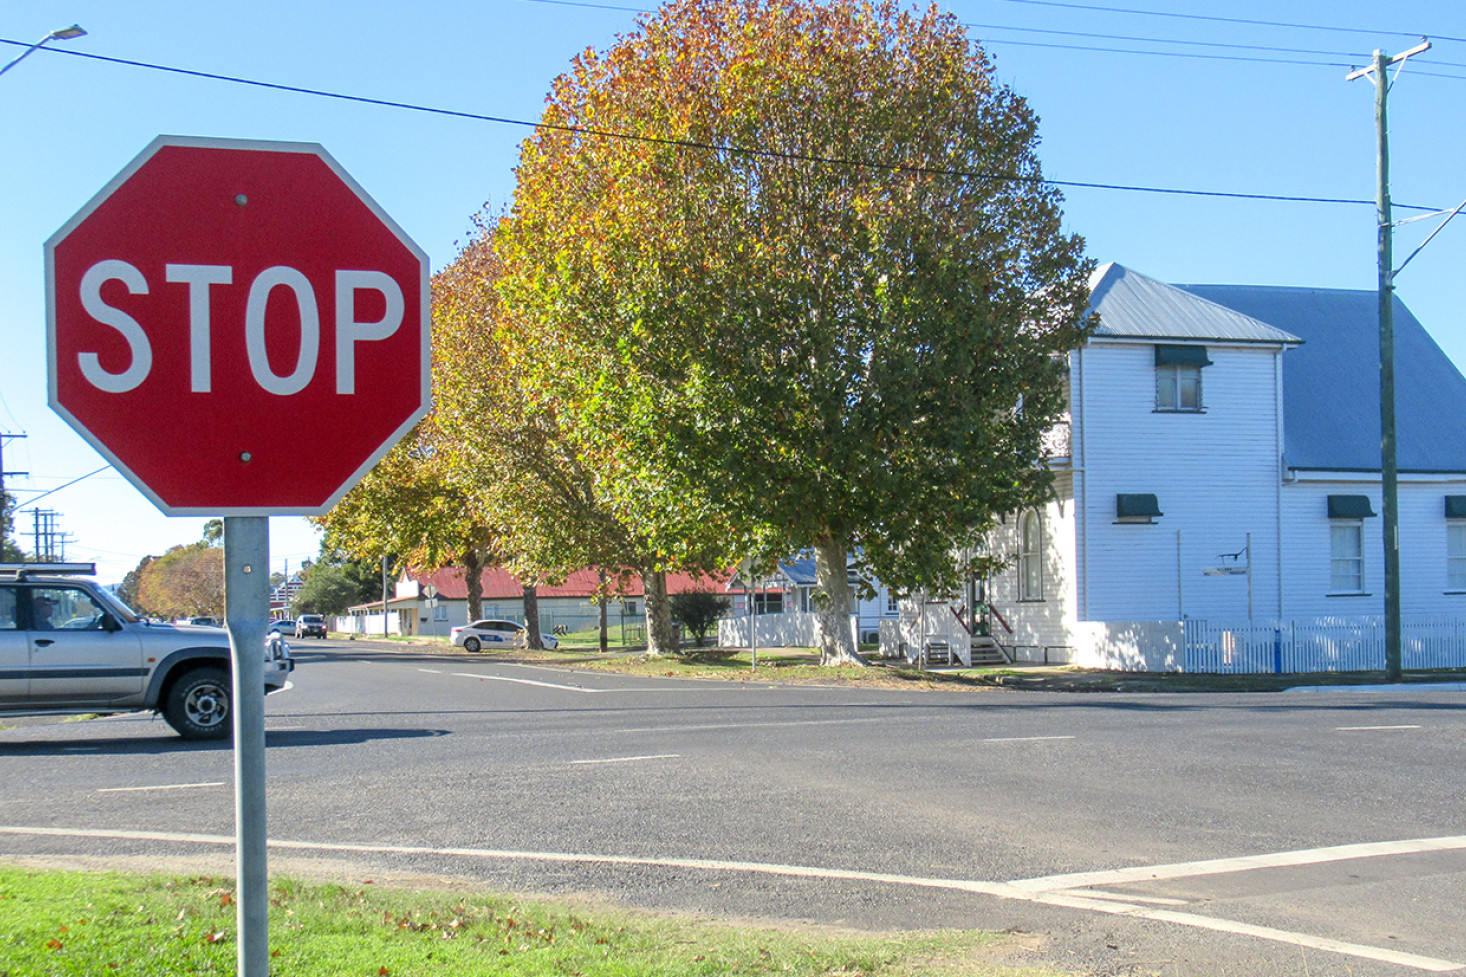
(75, 923)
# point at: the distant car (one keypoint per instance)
(500, 634)
(283, 626)
(208, 622)
(310, 626)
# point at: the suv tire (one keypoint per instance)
(199, 705)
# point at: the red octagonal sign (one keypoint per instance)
(237, 327)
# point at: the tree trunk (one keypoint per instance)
(660, 638)
(601, 607)
(532, 637)
(832, 606)
(473, 581)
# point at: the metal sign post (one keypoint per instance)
(246, 607)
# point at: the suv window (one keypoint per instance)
(9, 610)
(69, 608)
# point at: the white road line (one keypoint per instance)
(1119, 897)
(1047, 892)
(1365, 952)
(630, 759)
(1344, 729)
(122, 790)
(431, 671)
(525, 681)
(792, 722)
(1022, 739)
(1221, 866)
(572, 688)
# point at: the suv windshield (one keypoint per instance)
(114, 604)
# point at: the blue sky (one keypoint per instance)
(1241, 118)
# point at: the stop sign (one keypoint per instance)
(237, 327)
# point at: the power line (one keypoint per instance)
(1158, 40)
(58, 488)
(1230, 20)
(1356, 57)
(715, 147)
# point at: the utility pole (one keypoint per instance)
(5, 507)
(1389, 468)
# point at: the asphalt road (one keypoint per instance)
(1293, 833)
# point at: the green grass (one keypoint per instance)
(590, 638)
(59, 924)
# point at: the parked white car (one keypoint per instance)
(495, 634)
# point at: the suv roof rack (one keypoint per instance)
(19, 571)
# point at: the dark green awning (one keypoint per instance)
(1349, 507)
(1137, 507)
(1456, 507)
(1166, 355)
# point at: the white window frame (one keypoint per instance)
(1456, 556)
(1030, 556)
(1339, 562)
(1169, 387)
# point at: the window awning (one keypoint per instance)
(1350, 507)
(1172, 355)
(1456, 507)
(1137, 506)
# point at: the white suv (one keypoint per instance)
(69, 646)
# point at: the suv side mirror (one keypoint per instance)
(110, 623)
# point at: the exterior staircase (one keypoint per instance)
(987, 651)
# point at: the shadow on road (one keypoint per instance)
(167, 743)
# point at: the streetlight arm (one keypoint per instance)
(64, 34)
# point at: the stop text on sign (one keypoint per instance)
(276, 280)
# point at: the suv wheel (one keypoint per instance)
(471, 644)
(198, 705)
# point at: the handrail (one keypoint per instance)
(958, 615)
(998, 614)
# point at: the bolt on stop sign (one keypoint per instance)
(237, 327)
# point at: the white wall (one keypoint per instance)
(1215, 475)
(1422, 547)
(1038, 625)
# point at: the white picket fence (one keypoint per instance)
(1324, 644)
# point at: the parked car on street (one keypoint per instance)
(495, 634)
(283, 626)
(310, 626)
(68, 646)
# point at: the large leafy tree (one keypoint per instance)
(334, 585)
(554, 505)
(815, 285)
(183, 582)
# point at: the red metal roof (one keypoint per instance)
(500, 584)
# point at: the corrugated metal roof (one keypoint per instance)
(499, 584)
(1331, 383)
(1130, 305)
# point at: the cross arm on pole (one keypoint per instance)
(1420, 48)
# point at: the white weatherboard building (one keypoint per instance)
(1217, 494)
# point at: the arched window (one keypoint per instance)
(1030, 557)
